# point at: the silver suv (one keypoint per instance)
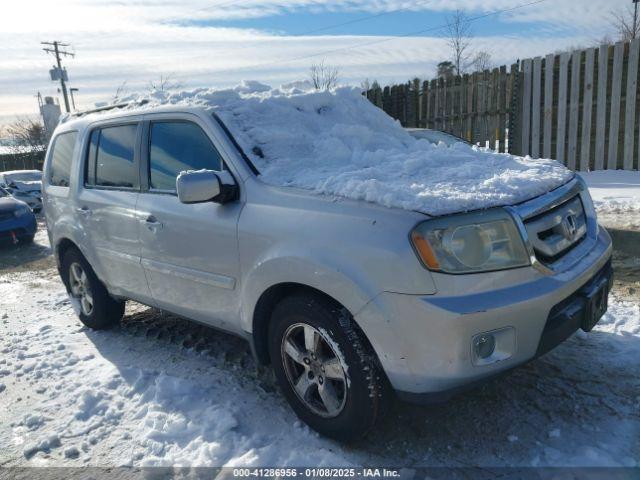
(349, 301)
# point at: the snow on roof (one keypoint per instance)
(338, 143)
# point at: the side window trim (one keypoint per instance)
(145, 163)
(136, 156)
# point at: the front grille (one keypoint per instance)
(556, 232)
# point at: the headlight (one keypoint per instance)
(469, 243)
(22, 211)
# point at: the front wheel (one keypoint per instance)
(91, 300)
(326, 368)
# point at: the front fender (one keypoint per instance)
(340, 280)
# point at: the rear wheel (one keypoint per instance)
(91, 300)
(325, 367)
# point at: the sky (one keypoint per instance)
(218, 43)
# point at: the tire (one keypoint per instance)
(105, 311)
(359, 399)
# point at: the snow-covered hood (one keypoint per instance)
(31, 186)
(338, 143)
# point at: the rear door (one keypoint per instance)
(189, 252)
(107, 207)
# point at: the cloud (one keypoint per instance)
(136, 41)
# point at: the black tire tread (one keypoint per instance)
(379, 396)
(107, 311)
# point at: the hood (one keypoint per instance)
(10, 204)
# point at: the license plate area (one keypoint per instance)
(597, 302)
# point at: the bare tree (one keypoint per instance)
(324, 77)
(27, 135)
(164, 83)
(626, 23)
(459, 39)
(27, 140)
(482, 61)
(120, 92)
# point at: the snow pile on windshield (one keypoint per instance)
(338, 143)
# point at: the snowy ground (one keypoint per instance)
(161, 391)
(616, 194)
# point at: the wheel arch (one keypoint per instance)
(265, 306)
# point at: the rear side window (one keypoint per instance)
(61, 158)
(111, 157)
(175, 147)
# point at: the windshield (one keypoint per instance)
(436, 137)
(34, 176)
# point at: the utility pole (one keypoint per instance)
(635, 18)
(57, 52)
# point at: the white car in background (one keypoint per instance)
(25, 185)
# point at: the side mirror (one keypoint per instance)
(206, 186)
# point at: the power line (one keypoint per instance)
(377, 42)
(362, 19)
(57, 52)
(221, 5)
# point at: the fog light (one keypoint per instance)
(484, 346)
(494, 346)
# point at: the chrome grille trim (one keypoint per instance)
(557, 230)
(538, 206)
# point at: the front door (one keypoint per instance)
(189, 252)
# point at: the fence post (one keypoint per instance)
(514, 110)
(601, 109)
(587, 111)
(535, 111)
(574, 109)
(547, 134)
(614, 119)
(630, 101)
(561, 135)
(502, 109)
(526, 107)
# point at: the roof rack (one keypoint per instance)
(108, 107)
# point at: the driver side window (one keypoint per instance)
(176, 146)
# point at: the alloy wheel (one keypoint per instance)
(315, 370)
(80, 288)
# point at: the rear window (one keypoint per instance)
(111, 158)
(61, 157)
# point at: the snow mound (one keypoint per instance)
(338, 143)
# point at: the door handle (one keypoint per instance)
(153, 224)
(84, 211)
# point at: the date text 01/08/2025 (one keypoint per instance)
(316, 472)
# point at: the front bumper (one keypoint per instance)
(424, 343)
(20, 227)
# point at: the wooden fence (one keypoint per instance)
(581, 108)
(21, 161)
